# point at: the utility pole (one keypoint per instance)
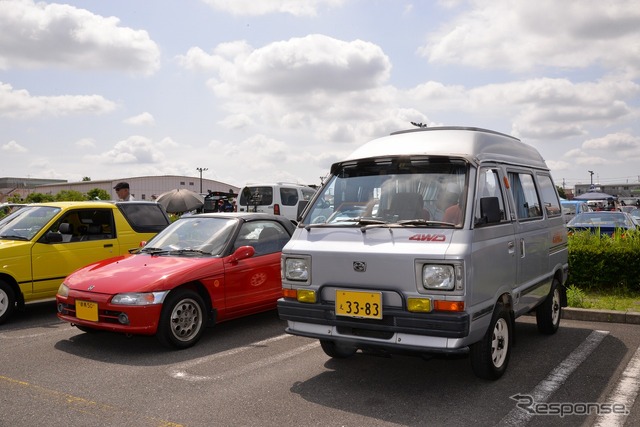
(201, 170)
(591, 173)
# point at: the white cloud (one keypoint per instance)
(521, 35)
(86, 143)
(315, 82)
(13, 147)
(20, 104)
(38, 35)
(133, 150)
(293, 7)
(615, 142)
(141, 119)
(303, 65)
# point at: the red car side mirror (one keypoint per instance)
(243, 252)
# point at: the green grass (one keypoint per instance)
(618, 300)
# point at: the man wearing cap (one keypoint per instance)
(122, 190)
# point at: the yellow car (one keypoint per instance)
(42, 243)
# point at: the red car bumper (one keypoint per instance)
(128, 319)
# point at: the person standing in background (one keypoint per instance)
(122, 190)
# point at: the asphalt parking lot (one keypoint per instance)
(249, 372)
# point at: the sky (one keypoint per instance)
(277, 90)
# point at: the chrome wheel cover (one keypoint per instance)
(186, 320)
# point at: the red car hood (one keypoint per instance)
(142, 273)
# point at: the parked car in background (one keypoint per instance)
(635, 214)
(42, 243)
(202, 269)
(602, 222)
(572, 207)
(280, 198)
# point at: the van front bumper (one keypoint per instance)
(397, 330)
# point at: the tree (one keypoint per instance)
(98, 194)
(39, 198)
(561, 192)
(86, 178)
(70, 196)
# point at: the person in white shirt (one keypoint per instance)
(122, 190)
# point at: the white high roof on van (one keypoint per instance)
(474, 144)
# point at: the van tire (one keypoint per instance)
(337, 350)
(7, 301)
(548, 313)
(490, 355)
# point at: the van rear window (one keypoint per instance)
(256, 196)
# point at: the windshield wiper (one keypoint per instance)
(189, 251)
(13, 237)
(423, 222)
(153, 251)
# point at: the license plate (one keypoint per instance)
(86, 310)
(366, 305)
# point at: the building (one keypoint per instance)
(141, 187)
(10, 186)
(627, 192)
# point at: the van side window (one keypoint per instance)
(489, 186)
(289, 196)
(549, 195)
(525, 196)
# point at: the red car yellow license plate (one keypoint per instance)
(359, 304)
(86, 310)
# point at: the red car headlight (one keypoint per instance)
(139, 298)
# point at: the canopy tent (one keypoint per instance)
(594, 195)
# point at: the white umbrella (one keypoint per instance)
(180, 200)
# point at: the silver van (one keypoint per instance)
(278, 198)
(429, 241)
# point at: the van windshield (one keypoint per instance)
(414, 191)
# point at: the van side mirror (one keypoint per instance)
(489, 211)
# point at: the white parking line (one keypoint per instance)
(557, 377)
(179, 371)
(625, 393)
(48, 332)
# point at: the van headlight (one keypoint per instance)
(296, 269)
(438, 277)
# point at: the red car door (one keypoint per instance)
(254, 284)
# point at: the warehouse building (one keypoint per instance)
(141, 187)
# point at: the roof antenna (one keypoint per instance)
(420, 125)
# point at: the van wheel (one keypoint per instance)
(337, 350)
(7, 301)
(490, 356)
(549, 312)
(181, 320)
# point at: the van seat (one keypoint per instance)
(408, 206)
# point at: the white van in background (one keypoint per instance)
(280, 198)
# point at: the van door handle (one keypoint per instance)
(522, 252)
(108, 245)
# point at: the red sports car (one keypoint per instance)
(200, 270)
